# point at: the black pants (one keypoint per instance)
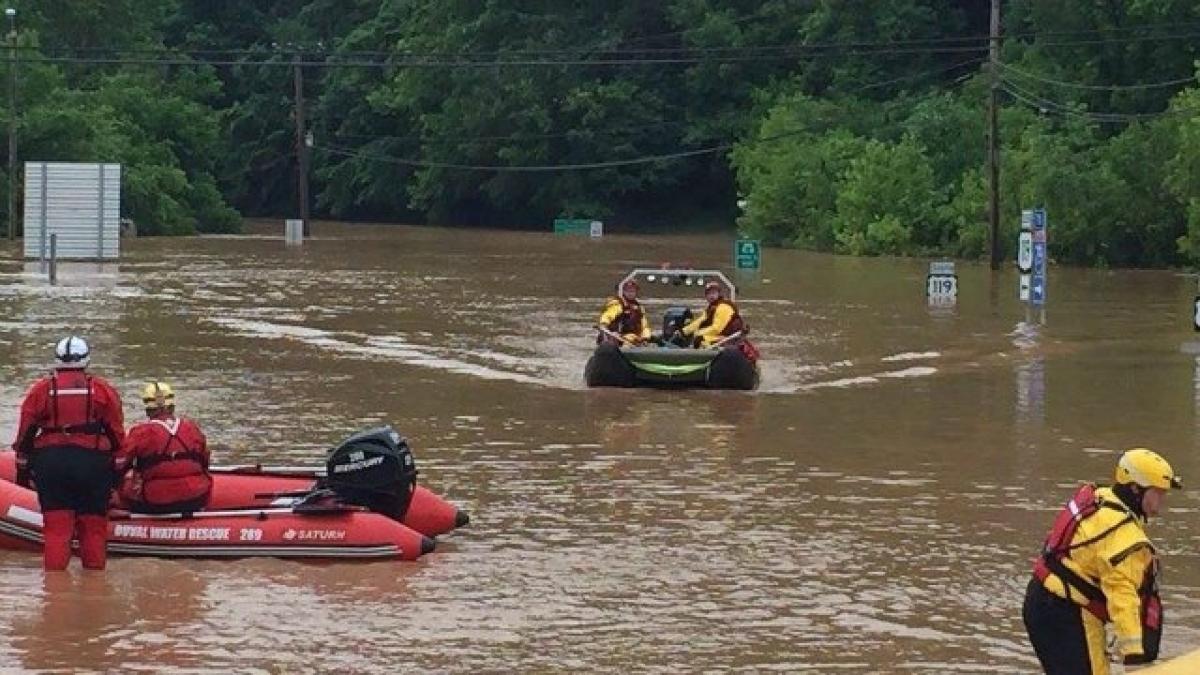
(1055, 628)
(72, 478)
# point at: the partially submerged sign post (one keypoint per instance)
(1024, 261)
(293, 231)
(747, 255)
(941, 284)
(80, 202)
(582, 226)
(1031, 257)
(1196, 312)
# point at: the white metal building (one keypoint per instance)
(81, 203)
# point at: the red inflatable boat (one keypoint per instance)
(306, 531)
(261, 511)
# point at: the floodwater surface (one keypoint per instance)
(872, 508)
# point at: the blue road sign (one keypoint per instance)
(1039, 258)
(1037, 281)
(1037, 292)
(1039, 219)
(1031, 256)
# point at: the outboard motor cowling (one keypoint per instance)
(674, 319)
(373, 468)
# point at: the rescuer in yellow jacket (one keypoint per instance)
(719, 319)
(623, 315)
(1098, 566)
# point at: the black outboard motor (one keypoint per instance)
(373, 468)
(674, 319)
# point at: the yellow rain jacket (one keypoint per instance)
(718, 320)
(1120, 562)
(625, 319)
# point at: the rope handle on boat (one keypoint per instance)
(728, 338)
(256, 511)
(616, 336)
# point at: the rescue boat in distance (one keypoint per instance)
(276, 512)
(730, 364)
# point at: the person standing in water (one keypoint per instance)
(1098, 567)
(71, 426)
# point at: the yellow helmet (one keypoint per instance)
(157, 395)
(1146, 468)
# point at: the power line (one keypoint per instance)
(421, 63)
(1110, 29)
(288, 55)
(648, 159)
(1045, 105)
(611, 131)
(1097, 87)
(600, 131)
(751, 55)
(290, 51)
(1125, 40)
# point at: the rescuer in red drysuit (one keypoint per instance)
(71, 426)
(166, 458)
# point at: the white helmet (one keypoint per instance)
(72, 352)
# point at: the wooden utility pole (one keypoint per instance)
(301, 147)
(12, 122)
(993, 139)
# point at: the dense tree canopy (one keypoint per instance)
(847, 127)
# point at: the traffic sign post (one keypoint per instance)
(580, 226)
(1025, 251)
(941, 284)
(747, 254)
(1196, 320)
(1037, 283)
(1031, 257)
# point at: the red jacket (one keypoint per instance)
(168, 461)
(70, 407)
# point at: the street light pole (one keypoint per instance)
(12, 122)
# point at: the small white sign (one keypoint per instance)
(293, 231)
(597, 229)
(1025, 251)
(1027, 219)
(941, 268)
(941, 286)
(1025, 284)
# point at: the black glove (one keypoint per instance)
(1136, 659)
(23, 477)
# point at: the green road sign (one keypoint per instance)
(747, 254)
(583, 226)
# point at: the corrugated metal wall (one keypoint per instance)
(81, 203)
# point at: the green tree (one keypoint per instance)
(885, 202)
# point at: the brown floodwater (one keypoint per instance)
(872, 508)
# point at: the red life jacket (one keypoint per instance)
(1083, 504)
(735, 322)
(175, 468)
(72, 419)
(629, 320)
